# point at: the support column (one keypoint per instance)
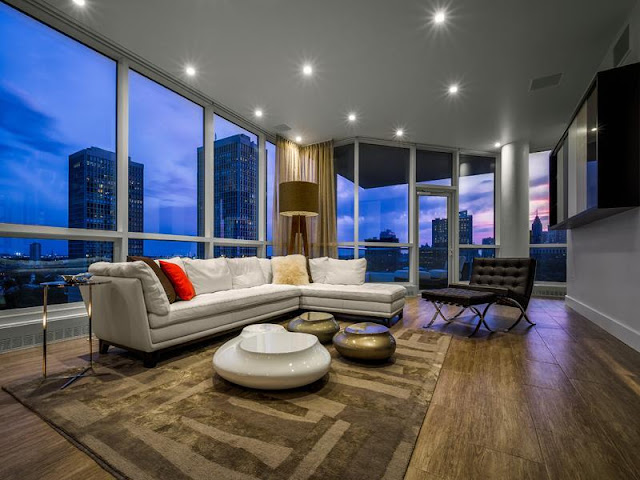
(514, 193)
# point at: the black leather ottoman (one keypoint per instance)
(464, 298)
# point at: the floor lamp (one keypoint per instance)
(298, 200)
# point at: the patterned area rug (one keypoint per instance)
(181, 421)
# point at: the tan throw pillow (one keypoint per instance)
(164, 280)
(290, 270)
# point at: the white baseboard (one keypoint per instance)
(619, 330)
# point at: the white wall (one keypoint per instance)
(603, 270)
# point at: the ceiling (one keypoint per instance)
(384, 60)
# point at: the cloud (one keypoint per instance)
(28, 125)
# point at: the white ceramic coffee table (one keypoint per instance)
(268, 357)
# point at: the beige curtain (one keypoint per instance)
(313, 163)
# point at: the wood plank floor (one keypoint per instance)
(560, 400)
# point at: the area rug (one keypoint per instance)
(182, 421)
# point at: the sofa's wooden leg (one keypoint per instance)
(103, 346)
(150, 359)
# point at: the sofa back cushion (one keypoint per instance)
(265, 264)
(182, 284)
(346, 272)
(246, 272)
(290, 270)
(318, 269)
(208, 276)
(164, 280)
(154, 296)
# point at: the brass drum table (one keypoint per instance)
(320, 324)
(365, 341)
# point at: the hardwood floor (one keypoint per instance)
(560, 400)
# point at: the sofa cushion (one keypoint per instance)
(373, 292)
(246, 272)
(318, 269)
(208, 276)
(164, 280)
(155, 299)
(290, 270)
(346, 272)
(217, 303)
(265, 264)
(177, 260)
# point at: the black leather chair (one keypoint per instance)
(511, 279)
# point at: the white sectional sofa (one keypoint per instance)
(133, 312)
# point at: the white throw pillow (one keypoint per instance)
(265, 264)
(246, 272)
(346, 272)
(208, 276)
(177, 260)
(318, 269)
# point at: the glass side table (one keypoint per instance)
(62, 284)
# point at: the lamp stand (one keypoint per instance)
(298, 227)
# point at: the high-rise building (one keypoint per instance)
(235, 189)
(440, 230)
(536, 231)
(465, 225)
(92, 200)
(35, 251)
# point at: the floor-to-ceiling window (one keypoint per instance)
(236, 187)
(548, 247)
(383, 210)
(476, 210)
(57, 151)
(62, 164)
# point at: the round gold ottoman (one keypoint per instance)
(365, 341)
(320, 324)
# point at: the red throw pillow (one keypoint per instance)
(179, 280)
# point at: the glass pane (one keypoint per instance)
(539, 202)
(433, 264)
(434, 168)
(235, 182)
(465, 261)
(50, 115)
(165, 140)
(27, 262)
(383, 193)
(271, 178)
(386, 264)
(345, 253)
(343, 166)
(551, 263)
(235, 252)
(476, 199)
(165, 248)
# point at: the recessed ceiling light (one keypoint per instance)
(352, 117)
(497, 144)
(307, 70)
(399, 132)
(298, 139)
(439, 17)
(453, 89)
(80, 3)
(258, 113)
(190, 70)
(594, 129)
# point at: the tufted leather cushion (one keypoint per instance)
(515, 274)
(459, 296)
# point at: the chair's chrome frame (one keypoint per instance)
(476, 312)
